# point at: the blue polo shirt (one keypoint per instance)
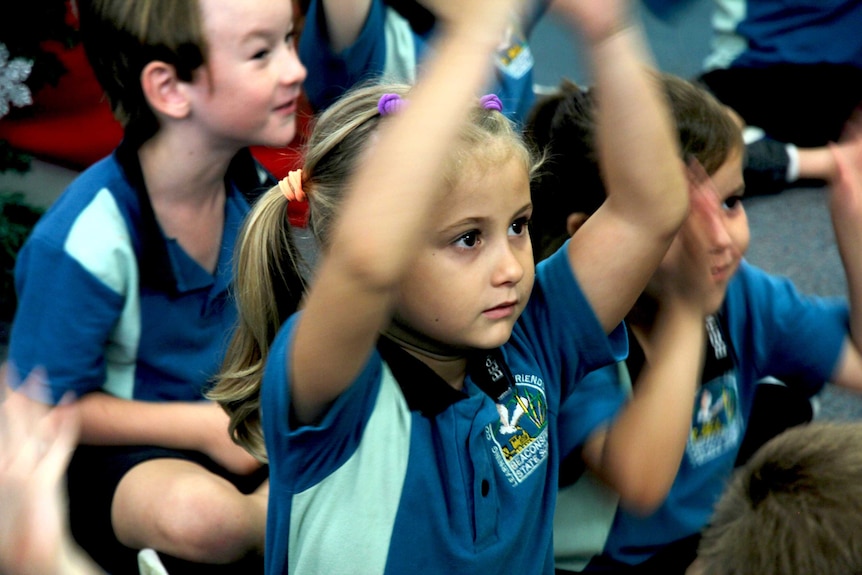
(107, 302)
(405, 474)
(765, 328)
(761, 33)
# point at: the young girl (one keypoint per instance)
(683, 446)
(409, 410)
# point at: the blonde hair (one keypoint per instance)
(794, 508)
(266, 259)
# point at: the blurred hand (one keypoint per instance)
(846, 199)
(596, 19)
(36, 443)
(684, 274)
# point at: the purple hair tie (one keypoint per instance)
(390, 104)
(491, 102)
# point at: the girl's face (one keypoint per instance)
(709, 248)
(247, 92)
(472, 278)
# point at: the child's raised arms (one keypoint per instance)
(385, 213)
(640, 466)
(846, 209)
(618, 248)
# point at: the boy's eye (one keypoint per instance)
(260, 55)
(468, 240)
(519, 226)
(290, 39)
(732, 202)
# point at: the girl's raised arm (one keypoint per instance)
(846, 208)
(385, 212)
(619, 247)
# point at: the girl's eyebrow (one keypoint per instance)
(470, 222)
(475, 221)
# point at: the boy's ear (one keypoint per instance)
(163, 90)
(575, 221)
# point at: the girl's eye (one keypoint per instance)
(519, 227)
(468, 240)
(732, 203)
(290, 39)
(260, 55)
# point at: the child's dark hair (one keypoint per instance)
(794, 508)
(266, 260)
(563, 126)
(121, 37)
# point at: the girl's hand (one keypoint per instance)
(846, 199)
(596, 19)
(477, 16)
(683, 276)
(36, 443)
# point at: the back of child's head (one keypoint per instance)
(794, 508)
(122, 36)
(563, 127)
(266, 263)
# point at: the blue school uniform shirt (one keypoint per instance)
(390, 47)
(405, 474)
(108, 303)
(764, 328)
(761, 33)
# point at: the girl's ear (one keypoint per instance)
(163, 90)
(575, 221)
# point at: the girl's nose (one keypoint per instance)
(509, 269)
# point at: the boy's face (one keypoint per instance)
(707, 251)
(248, 91)
(472, 278)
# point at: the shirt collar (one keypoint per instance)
(244, 178)
(424, 390)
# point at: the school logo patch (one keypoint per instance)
(520, 438)
(716, 426)
(514, 57)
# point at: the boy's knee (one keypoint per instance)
(210, 519)
(197, 518)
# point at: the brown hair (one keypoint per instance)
(121, 37)
(562, 125)
(795, 508)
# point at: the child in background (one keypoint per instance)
(794, 508)
(792, 71)
(758, 326)
(124, 284)
(409, 411)
(350, 42)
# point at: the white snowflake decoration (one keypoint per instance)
(13, 90)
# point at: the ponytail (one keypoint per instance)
(268, 287)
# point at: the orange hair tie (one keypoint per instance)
(291, 186)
